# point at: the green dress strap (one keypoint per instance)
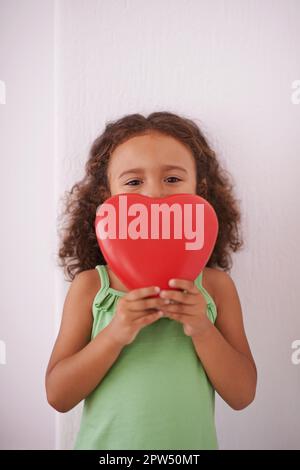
(211, 306)
(103, 277)
(105, 283)
(105, 300)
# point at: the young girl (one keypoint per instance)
(148, 366)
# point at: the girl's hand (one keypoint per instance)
(187, 306)
(134, 311)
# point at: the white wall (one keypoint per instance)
(27, 222)
(229, 65)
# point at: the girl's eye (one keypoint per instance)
(131, 182)
(175, 178)
(170, 177)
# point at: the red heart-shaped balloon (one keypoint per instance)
(146, 241)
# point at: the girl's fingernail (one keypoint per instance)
(171, 282)
(157, 289)
(161, 313)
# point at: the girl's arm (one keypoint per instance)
(224, 350)
(77, 365)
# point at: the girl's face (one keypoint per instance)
(152, 164)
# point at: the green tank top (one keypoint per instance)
(156, 395)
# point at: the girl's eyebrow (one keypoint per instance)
(165, 167)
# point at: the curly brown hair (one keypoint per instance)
(79, 249)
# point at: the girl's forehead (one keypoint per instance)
(151, 142)
(150, 152)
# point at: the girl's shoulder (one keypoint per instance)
(90, 283)
(213, 281)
